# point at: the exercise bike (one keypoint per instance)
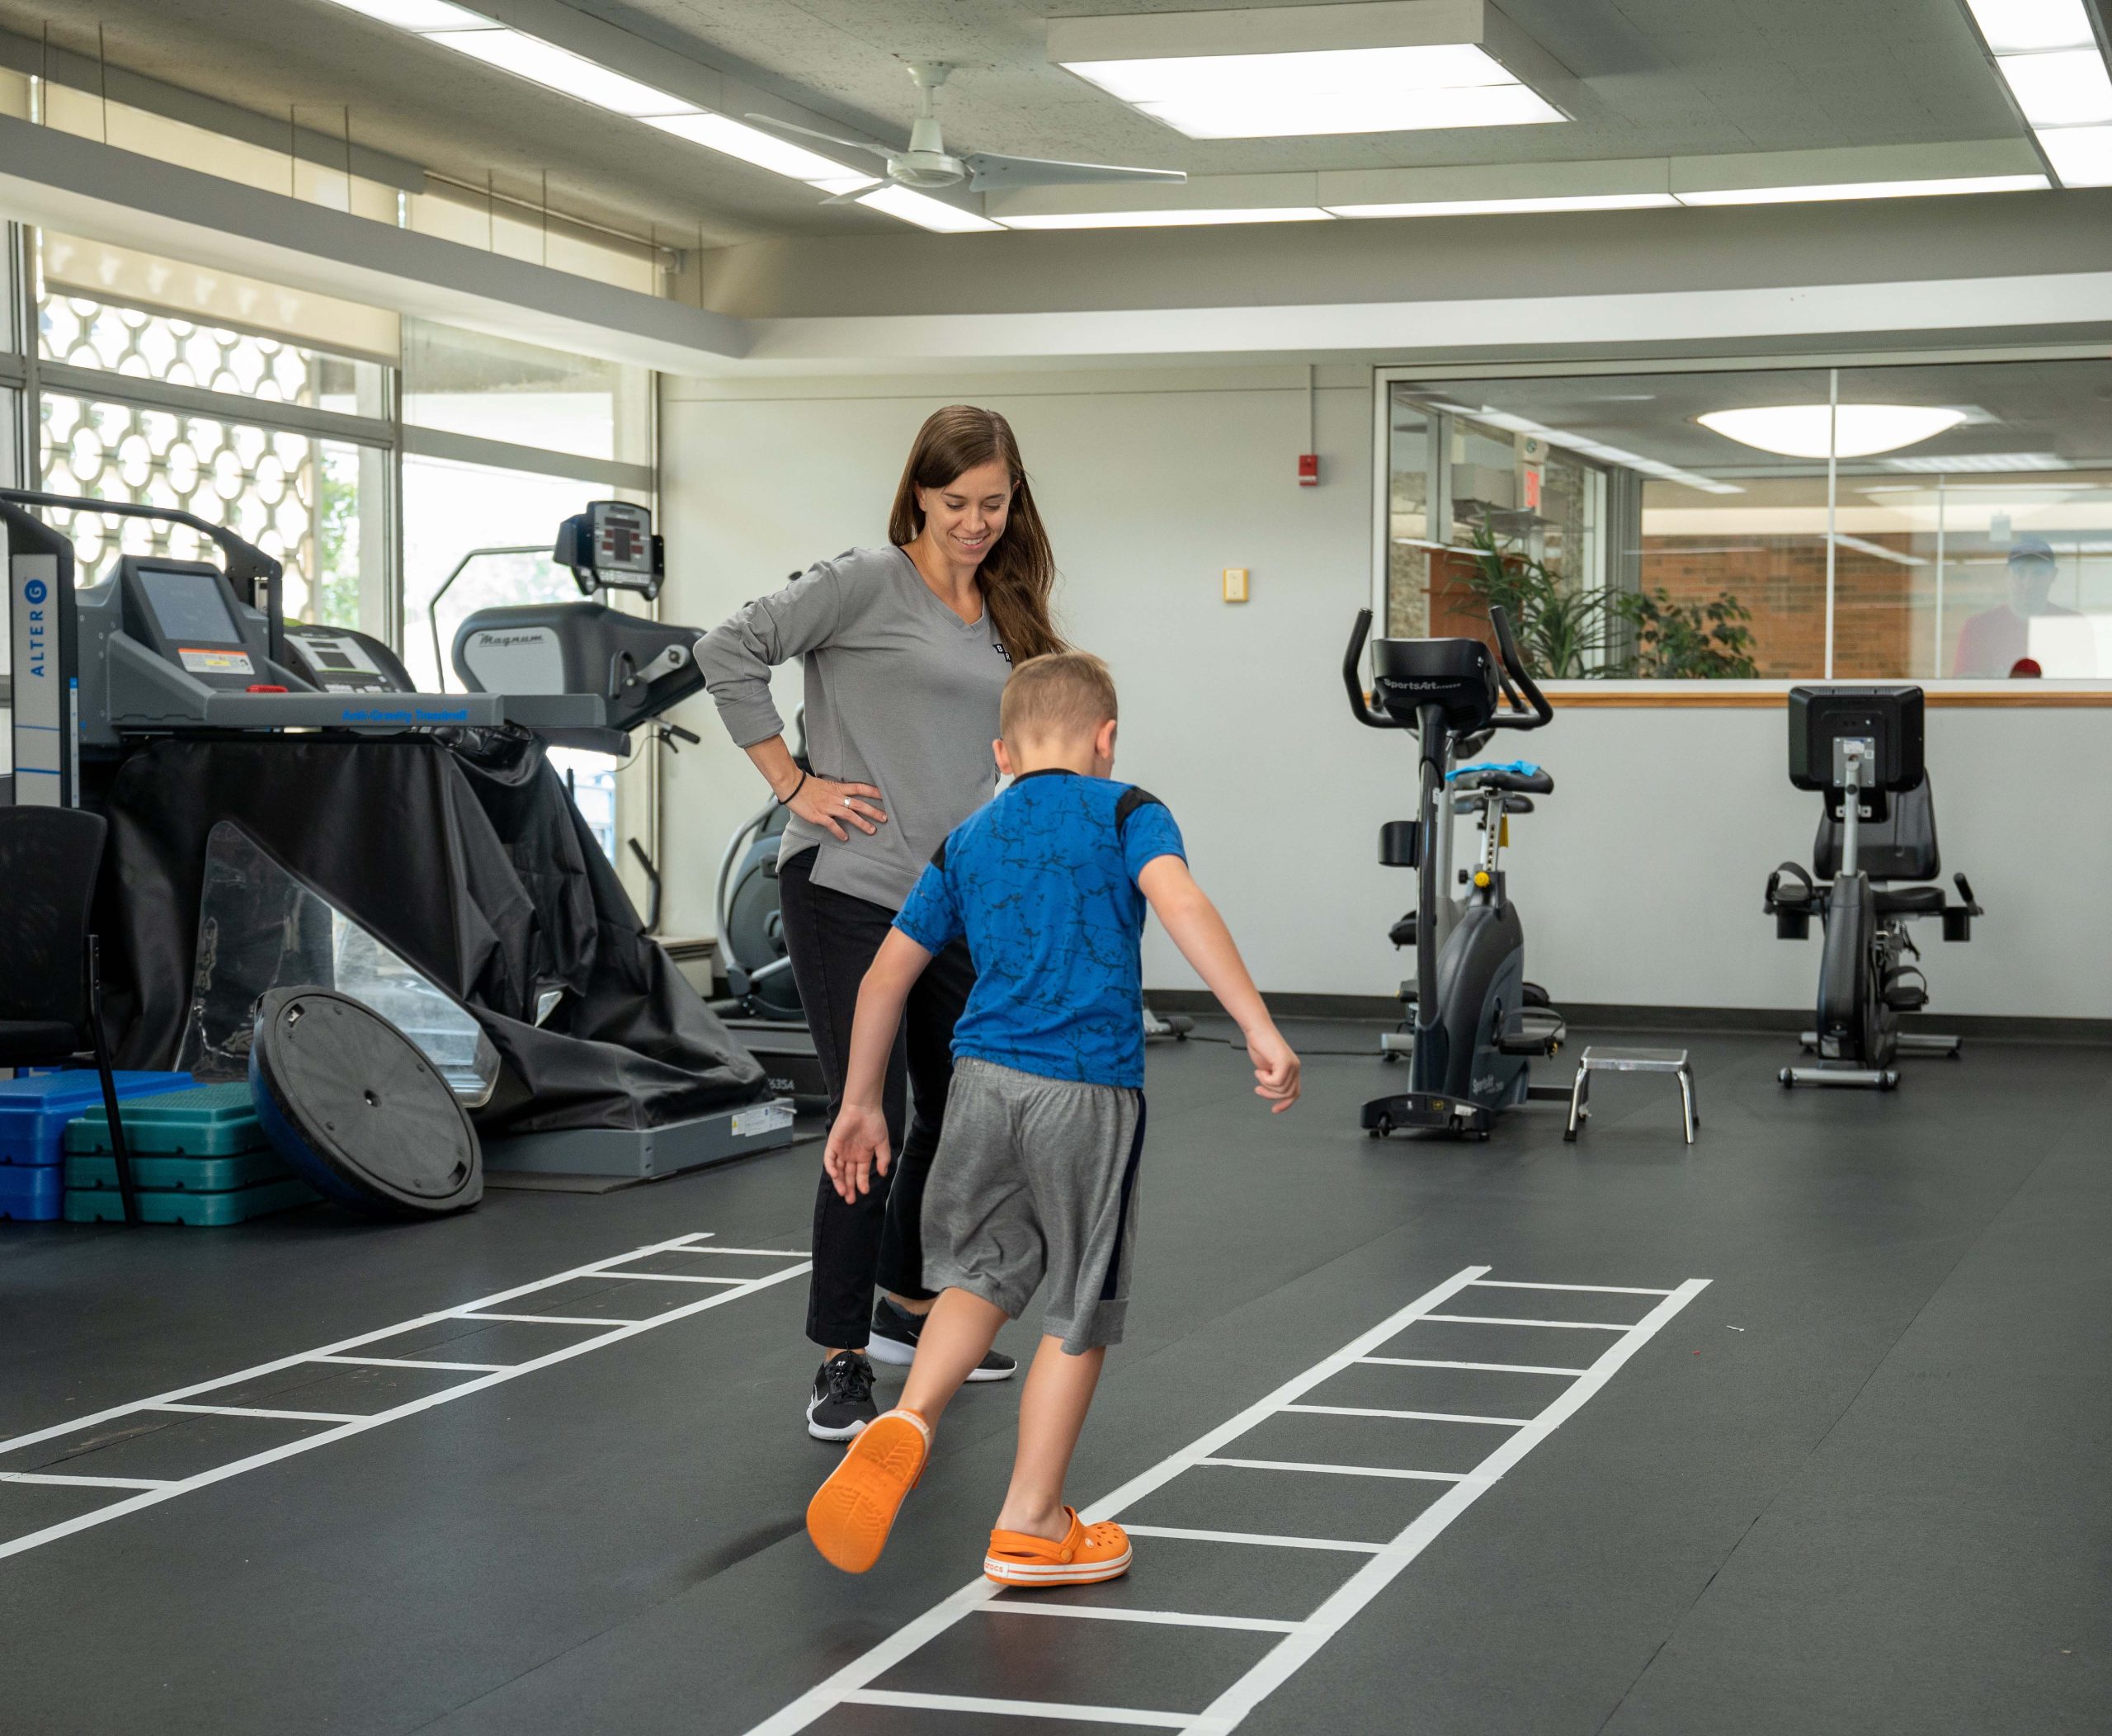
(1861, 748)
(1477, 1024)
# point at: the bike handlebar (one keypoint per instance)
(1353, 676)
(1513, 669)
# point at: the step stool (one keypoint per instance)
(1631, 1060)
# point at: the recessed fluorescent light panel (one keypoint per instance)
(529, 57)
(2081, 156)
(1165, 219)
(1852, 431)
(418, 15)
(764, 150)
(470, 33)
(2030, 26)
(1397, 66)
(1598, 448)
(926, 212)
(1979, 462)
(2049, 57)
(1930, 189)
(1485, 207)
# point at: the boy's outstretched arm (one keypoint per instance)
(858, 1141)
(1188, 915)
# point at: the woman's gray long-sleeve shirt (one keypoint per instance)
(901, 694)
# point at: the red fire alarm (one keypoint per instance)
(1309, 469)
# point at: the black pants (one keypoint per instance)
(832, 937)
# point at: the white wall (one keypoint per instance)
(1640, 880)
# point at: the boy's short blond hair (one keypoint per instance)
(1066, 693)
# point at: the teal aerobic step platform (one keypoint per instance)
(34, 1111)
(205, 1121)
(178, 1175)
(106, 1206)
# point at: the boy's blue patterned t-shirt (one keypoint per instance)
(1042, 881)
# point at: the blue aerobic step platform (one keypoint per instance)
(205, 1121)
(178, 1175)
(34, 1111)
(31, 1192)
(105, 1204)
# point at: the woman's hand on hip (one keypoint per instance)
(822, 801)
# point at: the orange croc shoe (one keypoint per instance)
(851, 1514)
(1087, 1555)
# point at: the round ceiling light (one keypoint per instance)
(1800, 430)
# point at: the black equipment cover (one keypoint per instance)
(469, 861)
(355, 1107)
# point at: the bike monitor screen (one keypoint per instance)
(189, 607)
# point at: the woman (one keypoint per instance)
(905, 651)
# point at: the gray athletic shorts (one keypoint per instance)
(1035, 1179)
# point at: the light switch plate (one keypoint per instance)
(1235, 584)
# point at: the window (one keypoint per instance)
(299, 499)
(492, 389)
(1912, 521)
(125, 376)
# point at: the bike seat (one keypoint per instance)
(1908, 900)
(1533, 781)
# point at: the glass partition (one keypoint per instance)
(1916, 522)
(259, 928)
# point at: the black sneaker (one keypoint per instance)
(894, 1340)
(842, 1401)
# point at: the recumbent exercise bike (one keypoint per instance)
(1477, 1023)
(1872, 864)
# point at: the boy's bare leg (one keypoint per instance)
(958, 1334)
(1059, 1390)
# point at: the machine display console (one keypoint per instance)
(187, 611)
(611, 546)
(338, 660)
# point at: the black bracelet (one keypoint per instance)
(794, 791)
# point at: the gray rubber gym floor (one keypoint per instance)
(1855, 1484)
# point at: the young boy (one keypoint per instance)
(1035, 1181)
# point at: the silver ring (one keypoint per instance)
(847, 801)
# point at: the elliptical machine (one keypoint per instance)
(1861, 748)
(1476, 1030)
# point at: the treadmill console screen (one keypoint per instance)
(623, 538)
(190, 606)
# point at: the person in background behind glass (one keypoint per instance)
(1996, 640)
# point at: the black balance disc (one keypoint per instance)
(354, 1105)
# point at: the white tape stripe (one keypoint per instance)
(1107, 1612)
(80, 1482)
(1265, 1540)
(1406, 1416)
(253, 1410)
(1493, 1368)
(1582, 1326)
(554, 1319)
(1019, 1708)
(467, 1368)
(329, 1353)
(846, 1683)
(1340, 1471)
(1597, 1290)
(1291, 1653)
(765, 1253)
(672, 1277)
(310, 1443)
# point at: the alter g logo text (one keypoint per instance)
(38, 651)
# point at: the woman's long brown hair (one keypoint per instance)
(1019, 572)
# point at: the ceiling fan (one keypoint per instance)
(926, 165)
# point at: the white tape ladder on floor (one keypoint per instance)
(151, 1492)
(1385, 1562)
